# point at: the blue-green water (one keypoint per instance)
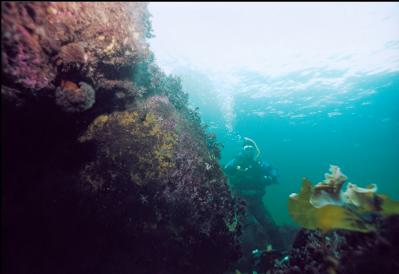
(313, 84)
(302, 132)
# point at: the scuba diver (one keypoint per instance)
(248, 178)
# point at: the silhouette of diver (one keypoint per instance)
(248, 178)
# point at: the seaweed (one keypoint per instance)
(326, 207)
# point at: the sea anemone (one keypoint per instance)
(74, 98)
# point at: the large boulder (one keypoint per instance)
(105, 168)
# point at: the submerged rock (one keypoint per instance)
(344, 252)
(128, 183)
(44, 42)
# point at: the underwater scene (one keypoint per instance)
(199, 137)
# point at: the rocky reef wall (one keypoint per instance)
(343, 251)
(104, 167)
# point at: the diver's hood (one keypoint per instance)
(249, 151)
(248, 148)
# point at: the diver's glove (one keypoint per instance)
(238, 168)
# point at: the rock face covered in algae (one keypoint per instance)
(105, 169)
(344, 252)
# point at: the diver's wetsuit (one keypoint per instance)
(247, 179)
